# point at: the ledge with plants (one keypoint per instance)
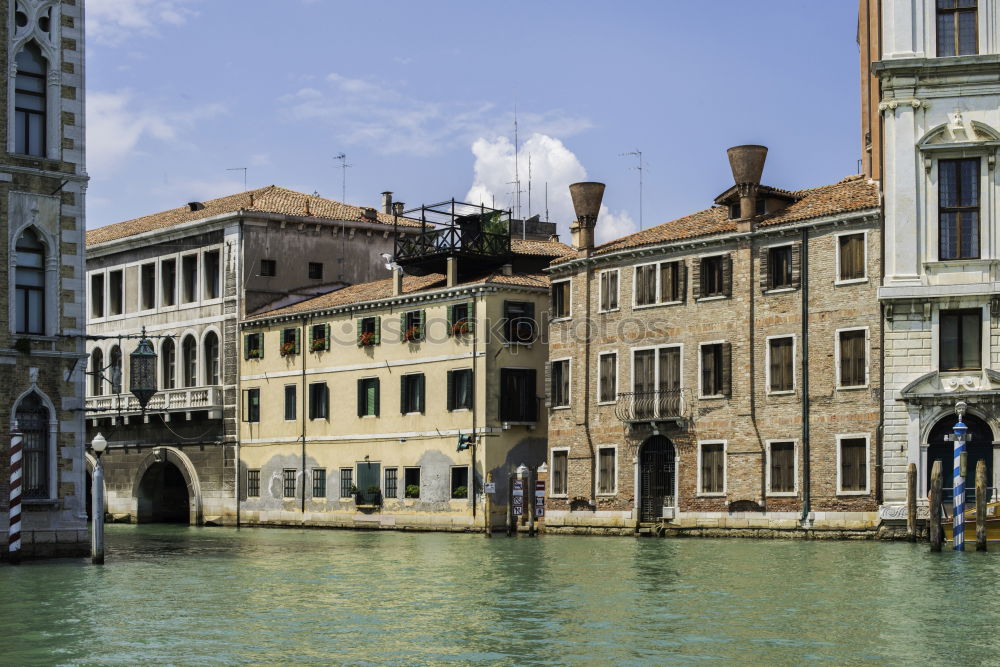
(287, 349)
(366, 339)
(460, 328)
(412, 334)
(317, 345)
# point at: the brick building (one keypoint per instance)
(42, 186)
(720, 371)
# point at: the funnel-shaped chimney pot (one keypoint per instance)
(587, 198)
(747, 163)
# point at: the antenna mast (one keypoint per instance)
(517, 178)
(546, 201)
(638, 154)
(244, 170)
(343, 175)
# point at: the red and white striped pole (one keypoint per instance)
(14, 508)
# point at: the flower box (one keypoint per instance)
(460, 328)
(366, 339)
(287, 349)
(411, 334)
(318, 344)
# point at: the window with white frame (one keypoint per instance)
(960, 344)
(29, 284)
(781, 467)
(656, 382)
(147, 286)
(189, 278)
(211, 263)
(781, 364)
(560, 299)
(715, 360)
(116, 292)
(168, 282)
(661, 283)
(607, 377)
(852, 465)
(958, 209)
(851, 257)
(559, 383)
(607, 474)
(97, 295)
(852, 358)
(711, 468)
(560, 461)
(609, 290)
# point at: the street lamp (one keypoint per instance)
(142, 371)
(98, 444)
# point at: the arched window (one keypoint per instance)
(190, 360)
(97, 368)
(211, 358)
(29, 284)
(29, 101)
(33, 421)
(169, 357)
(115, 370)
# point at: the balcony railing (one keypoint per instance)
(452, 241)
(649, 406)
(164, 400)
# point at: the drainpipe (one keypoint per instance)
(804, 281)
(586, 395)
(475, 399)
(238, 259)
(753, 378)
(305, 400)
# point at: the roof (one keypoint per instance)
(853, 193)
(540, 248)
(382, 289)
(270, 199)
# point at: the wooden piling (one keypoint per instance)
(488, 514)
(530, 505)
(936, 531)
(510, 503)
(981, 505)
(911, 502)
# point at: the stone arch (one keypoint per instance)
(180, 460)
(203, 370)
(51, 272)
(983, 435)
(53, 431)
(656, 481)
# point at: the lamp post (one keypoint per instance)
(959, 437)
(99, 444)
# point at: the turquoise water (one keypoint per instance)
(218, 596)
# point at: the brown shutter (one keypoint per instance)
(727, 275)
(696, 278)
(548, 384)
(765, 275)
(796, 264)
(727, 369)
(682, 272)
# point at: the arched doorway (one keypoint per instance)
(979, 447)
(163, 495)
(657, 477)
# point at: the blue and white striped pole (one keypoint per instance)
(958, 523)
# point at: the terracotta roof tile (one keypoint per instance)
(270, 199)
(542, 248)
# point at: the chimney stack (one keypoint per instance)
(397, 282)
(397, 207)
(587, 198)
(387, 202)
(747, 163)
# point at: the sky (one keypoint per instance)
(421, 97)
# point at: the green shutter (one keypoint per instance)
(451, 319)
(421, 393)
(361, 328)
(326, 336)
(402, 327)
(377, 397)
(402, 395)
(451, 390)
(378, 330)
(420, 326)
(246, 346)
(361, 398)
(471, 317)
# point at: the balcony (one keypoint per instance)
(650, 406)
(454, 229)
(187, 399)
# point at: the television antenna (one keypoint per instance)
(638, 154)
(343, 175)
(244, 170)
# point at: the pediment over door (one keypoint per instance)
(946, 388)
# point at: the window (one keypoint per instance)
(268, 268)
(714, 276)
(853, 364)
(712, 471)
(116, 293)
(288, 477)
(851, 257)
(715, 369)
(189, 353)
(168, 279)
(319, 401)
(211, 260)
(606, 473)
(672, 279)
(518, 395)
(645, 285)
(96, 295)
(656, 381)
(30, 101)
(778, 270)
(115, 369)
(29, 284)
(958, 209)
(960, 348)
(781, 467)
(147, 288)
(368, 397)
(519, 321)
(253, 346)
(97, 368)
(289, 342)
(559, 462)
(168, 354)
(33, 419)
(319, 337)
(957, 32)
(460, 482)
(211, 358)
(252, 407)
(781, 364)
(853, 470)
(346, 482)
(460, 389)
(369, 331)
(391, 482)
(607, 377)
(291, 411)
(559, 387)
(460, 320)
(411, 482)
(189, 273)
(412, 326)
(560, 299)
(411, 397)
(253, 483)
(734, 211)
(609, 290)
(660, 283)
(319, 482)
(316, 270)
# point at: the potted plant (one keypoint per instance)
(374, 495)
(460, 492)
(460, 328)
(366, 339)
(317, 344)
(411, 334)
(412, 490)
(253, 354)
(287, 348)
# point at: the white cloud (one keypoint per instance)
(361, 111)
(551, 163)
(112, 22)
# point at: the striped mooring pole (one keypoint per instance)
(959, 438)
(14, 507)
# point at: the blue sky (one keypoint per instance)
(420, 96)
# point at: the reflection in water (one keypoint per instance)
(182, 595)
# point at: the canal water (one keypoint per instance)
(218, 596)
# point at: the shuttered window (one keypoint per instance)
(559, 461)
(560, 383)
(671, 282)
(781, 367)
(608, 377)
(560, 299)
(460, 320)
(645, 285)
(368, 397)
(712, 467)
(715, 276)
(715, 369)
(779, 267)
(460, 389)
(853, 361)
(609, 290)
(851, 253)
(291, 414)
(853, 464)
(606, 473)
(319, 401)
(412, 326)
(518, 395)
(411, 397)
(319, 337)
(369, 331)
(782, 467)
(289, 342)
(253, 346)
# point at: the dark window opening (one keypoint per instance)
(212, 274)
(712, 283)
(560, 299)
(460, 389)
(268, 268)
(346, 482)
(291, 411)
(288, 479)
(168, 352)
(606, 470)
(97, 295)
(168, 278)
(189, 273)
(252, 407)
(253, 483)
(560, 383)
(460, 482)
(961, 340)
(779, 267)
(714, 371)
(147, 276)
(368, 397)
(315, 270)
(30, 101)
(319, 482)
(319, 401)
(253, 346)
(116, 293)
(411, 393)
(411, 482)
(519, 321)
(713, 462)
(29, 285)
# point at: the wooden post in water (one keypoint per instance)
(488, 502)
(911, 502)
(935, 514)
(981, 505)
(530, 492)
(510, 503)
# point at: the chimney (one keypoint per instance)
(397, 282)
(397, 207)
(387, 202)
(747, 163)
(195, 206)
(368, 213)
(587, 198)
(452, 271)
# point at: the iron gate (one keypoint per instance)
(657, 470)
(33, 420)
